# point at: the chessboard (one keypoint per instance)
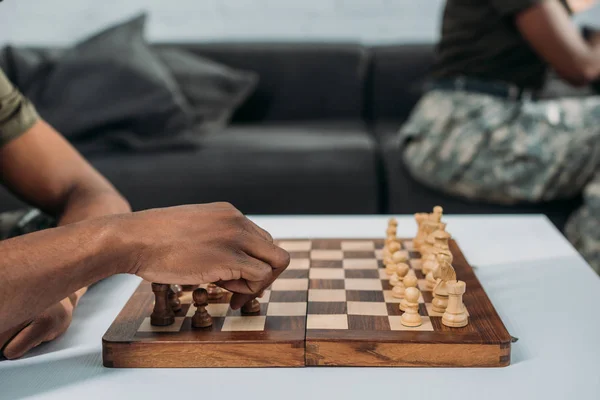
(333, 306)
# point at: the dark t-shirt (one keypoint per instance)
(480, 40)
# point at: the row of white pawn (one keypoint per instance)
(436, 264)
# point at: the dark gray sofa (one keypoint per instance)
(318, 136)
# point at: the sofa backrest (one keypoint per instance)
(297, 80)
(398, 73)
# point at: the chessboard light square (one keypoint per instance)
(379, 254)
(265, 298)
(366, 308)
(244, 323)
(363, 284)
(360, 263)
(408, 245)
(326, 295)
(358, 246)
(326, 273)
(296, 246)
(214, 309)
(396, 325)
(332, 321)
(299, 263)
(328, 255)
(415, 263)
(290, 284)
(287, 309)
(387, 295)
(146, 326)
(383, 274)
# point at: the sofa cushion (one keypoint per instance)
(308, 168)
(407, 196)
(398, 75)
(297, 80)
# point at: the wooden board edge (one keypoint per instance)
(349, 354)
(209, 355)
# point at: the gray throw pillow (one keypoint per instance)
(214, 91)
(113, 85)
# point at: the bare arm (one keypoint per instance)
(549, 30)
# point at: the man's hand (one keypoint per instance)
(45, 327)
(578, 6)
(202, 244)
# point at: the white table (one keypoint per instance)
(544, 291)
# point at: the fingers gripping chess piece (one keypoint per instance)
(401, 272)
(162, 314)
(214, 292)
(201, 318)
(251, 307)
(455, 315)
(174, 302)
(410, 281)
(411, 316)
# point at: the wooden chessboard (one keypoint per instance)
(331, 307)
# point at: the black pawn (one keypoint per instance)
(201, 318)
(163, 314)
(251, 307)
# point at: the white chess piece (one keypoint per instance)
(411, 317)
(455, 315)
(409, 281)
(401, 272)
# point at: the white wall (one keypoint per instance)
(370, 21)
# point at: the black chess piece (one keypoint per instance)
(201, 318)
(174, 300)
(163, 314)
(214, 292)
(251, 307)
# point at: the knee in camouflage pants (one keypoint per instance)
(487, 148)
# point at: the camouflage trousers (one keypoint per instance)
(503, 151)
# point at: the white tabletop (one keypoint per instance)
(545, 293)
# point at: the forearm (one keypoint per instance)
(91, 202)
(45, 267)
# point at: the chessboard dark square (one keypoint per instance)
(386, 284)
(327, 307)
(368, 323)
(294, 274)
(326, 284)
(414, 254)
(326, 264)
(427, 296)
(423, 310)
(288, 296)
(362, 273)
(365, 295)
(285, 323)
(419, 274)
(183, 311)
(358, 254)
(300, 254)
(393, 309)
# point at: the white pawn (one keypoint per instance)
(455, 315)
(393, 247)
(409, 281)
(411, 317)
(429, 263)
(401, 272)
(397, 258)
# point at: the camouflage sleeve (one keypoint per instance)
(511, 7)
(17, 114)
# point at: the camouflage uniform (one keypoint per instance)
(488, 148)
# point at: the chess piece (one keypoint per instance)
(430, 279)
(201, 318)
(189, 288)
(393, 222)
(440, 296)
(401, 272)
(441, 239)
(174, 302)
(418, 240)
(455, 315)
(393, 247)
(391, 231)
(437, 214)
(390, 268)
(411, 317)
(410, 281)
(177, 289)
(162, 314)
(429, 263)
(400, 256)
(251, 307)
(214, 292)
(394, 279)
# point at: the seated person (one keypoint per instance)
(480, 133)
(44, 274)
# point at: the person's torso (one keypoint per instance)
(478, 42)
